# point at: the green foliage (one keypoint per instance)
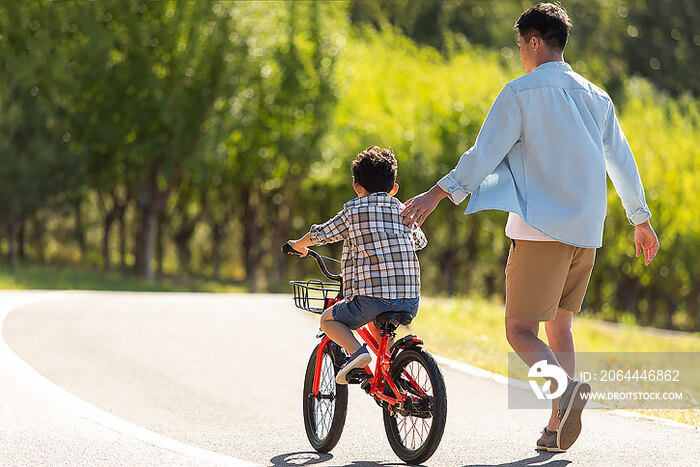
(210, 132)
(610, 39)
(33, 138)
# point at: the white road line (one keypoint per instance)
(23, 371)
(485, 374)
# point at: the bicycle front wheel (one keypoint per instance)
(414, 433)
(324, 414)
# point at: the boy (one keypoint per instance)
(379, 265)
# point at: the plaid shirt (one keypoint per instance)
(379, 251)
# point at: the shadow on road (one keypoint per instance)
(541, 456)
(294, 459)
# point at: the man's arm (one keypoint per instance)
(500, 131)
(623, 172)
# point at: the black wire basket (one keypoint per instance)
(314, 295)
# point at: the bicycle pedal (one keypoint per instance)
(358, 376)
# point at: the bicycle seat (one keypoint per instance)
(389, 321)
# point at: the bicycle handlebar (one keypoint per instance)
(288, 250)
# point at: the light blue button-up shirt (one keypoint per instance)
(543, 152)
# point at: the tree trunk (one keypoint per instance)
(251, 237)
(110, 216)
(146, 243)
(182, 244)
(21, 234)
(79, 231)
(12, 241)
(692, 306)
(105, 242)
(145, 240)
(671, 308)
(281, 232)
(122, 239)
(217, 233)
(38, 238)
(160, 248)
(449, 259)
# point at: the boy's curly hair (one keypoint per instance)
(375, 169)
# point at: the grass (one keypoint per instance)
(472, 331)
(71, 277)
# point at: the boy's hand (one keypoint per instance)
(419, 207)
(296, 244)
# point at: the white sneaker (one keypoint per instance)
(359, 359)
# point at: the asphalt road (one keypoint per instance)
(224, 373)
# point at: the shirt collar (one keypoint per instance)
(561, 65)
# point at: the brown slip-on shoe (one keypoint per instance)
(548, 442)
(570, 407)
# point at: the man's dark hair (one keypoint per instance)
(549, 21)
(375, 169)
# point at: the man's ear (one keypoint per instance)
(394, 190)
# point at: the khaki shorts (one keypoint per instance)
(544, 276)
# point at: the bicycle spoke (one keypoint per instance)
(413, 431)
(324, 409)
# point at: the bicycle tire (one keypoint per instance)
(323, 429)
(407, 451)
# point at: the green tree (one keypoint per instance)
(38, 158)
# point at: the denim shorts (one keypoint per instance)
(362, 309)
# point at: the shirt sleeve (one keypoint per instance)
(333, 230)
(500, 131)
(622, 170)
(419, 239)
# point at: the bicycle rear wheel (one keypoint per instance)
(414, 432)
(324, 416)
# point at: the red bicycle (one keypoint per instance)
(406, 382)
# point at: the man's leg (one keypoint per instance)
(522, 336)
(561, 341)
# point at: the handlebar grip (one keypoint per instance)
(288, 250)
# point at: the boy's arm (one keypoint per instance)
(419, 238)
(302, 244)
(331, 231)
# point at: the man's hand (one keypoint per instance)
(419, 207)
(645, 240)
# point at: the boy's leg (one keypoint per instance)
(339, 332)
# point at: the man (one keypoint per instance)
(542, 155)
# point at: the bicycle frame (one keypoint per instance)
(381, 373)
